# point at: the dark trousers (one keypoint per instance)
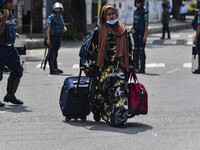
(54, 47)
(183, 17)
(9, 57)
(139, 50)
(165, 28)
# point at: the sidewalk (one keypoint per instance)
(37, 39)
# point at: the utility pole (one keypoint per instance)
(31, 20)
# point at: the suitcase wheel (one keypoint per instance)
(67, 119)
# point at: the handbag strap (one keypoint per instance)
(134, 77)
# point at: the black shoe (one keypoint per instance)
(12, 99)
(168, 38)
(97, 117)
(1, 104)
(162, 38)
(59, 70)
(54, 71)
(197, 71)
(140, 71)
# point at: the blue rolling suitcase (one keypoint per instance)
(74, 102)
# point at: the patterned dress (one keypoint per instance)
(109, 90)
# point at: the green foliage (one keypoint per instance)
(193, 5)
(72, 34)
(190, 9)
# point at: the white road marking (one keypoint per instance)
(189, 42)
(175, 35)
(150, 65)
(38, 66)
(187, 65)
(175, 70)
(47, 66)
(154, 65)
(190, 35)
(75, 66)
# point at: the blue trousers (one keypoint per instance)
(9, 57)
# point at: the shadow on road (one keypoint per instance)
(151, 74)
(15, 108)
(130, 127)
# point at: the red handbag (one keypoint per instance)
(138, 97)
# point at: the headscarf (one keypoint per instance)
(119, 30)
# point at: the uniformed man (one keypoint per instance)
(8, 54)
(55, 28)
(140, 28)
(197, 38)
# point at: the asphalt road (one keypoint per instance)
(172, 122)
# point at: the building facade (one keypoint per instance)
(31, 15)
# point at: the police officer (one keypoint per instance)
(165, 20)
(197, 38)
(140, 28)
(55, 28)
(8, 54)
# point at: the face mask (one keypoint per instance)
(111, 21)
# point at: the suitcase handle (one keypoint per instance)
(79, 81)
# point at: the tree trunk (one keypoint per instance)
(176, 7)
(79, 16)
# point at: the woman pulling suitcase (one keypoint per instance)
(108, 54)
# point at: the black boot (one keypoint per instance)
(1, 104)
(11, 90)
(53, 69)
(197, 71)
(142, 62)
(56, 65)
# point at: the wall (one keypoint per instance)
(126, 9)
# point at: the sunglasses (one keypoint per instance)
(112, 14)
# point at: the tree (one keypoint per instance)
(176, 7)
(79, 16)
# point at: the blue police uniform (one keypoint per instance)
(56, 25)
(140, 17)
(9, 57)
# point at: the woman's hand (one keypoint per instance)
(87, 70)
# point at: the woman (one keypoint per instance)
(108, 57)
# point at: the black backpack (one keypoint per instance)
(194, 22)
